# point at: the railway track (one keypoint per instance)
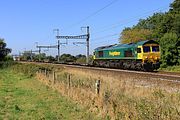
(161, 80)
(164, 76)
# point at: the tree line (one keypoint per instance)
(162, 27)
(64, 58)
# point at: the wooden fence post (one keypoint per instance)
(97, 86)
(40, 70)
(69, 80)
(54, 77)
(45, 72)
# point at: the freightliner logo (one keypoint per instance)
(115, 53)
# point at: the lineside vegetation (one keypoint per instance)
(119, 98)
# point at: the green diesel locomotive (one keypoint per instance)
(143, 55)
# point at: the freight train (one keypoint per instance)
(143, 55)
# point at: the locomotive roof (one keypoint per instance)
(105, 47)
(128, 45)
(145, 42)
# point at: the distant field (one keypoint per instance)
(26, 98)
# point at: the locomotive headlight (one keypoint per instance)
(156, 58)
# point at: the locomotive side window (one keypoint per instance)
(100, 53)
(138, 50)
(146, 49)
(155, 48)
(128, 53)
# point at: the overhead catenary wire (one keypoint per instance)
(107, 36)
(93, 14)
(106, 40)
(116, 25)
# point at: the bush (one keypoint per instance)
(27, 69)
(169, 50)
(6, 64)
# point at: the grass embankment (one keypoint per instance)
(120, 97)
(23, 97)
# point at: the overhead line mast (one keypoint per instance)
(86, 36)
(45, 46)
(57, 30)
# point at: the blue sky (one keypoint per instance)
(25, 22)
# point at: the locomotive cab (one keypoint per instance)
(149, 53)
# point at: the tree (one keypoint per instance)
(151, 22)
(169, 50)
(175, 12)
(3, 50)
(135, 35)
(175, 6)
(67, 58)
(41, 56)
(8, 58)
(27, 56)
(81, 59)
(170, 42)
(50, 58)
(80, 56)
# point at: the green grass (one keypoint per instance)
(171, 69)
(22, 97)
